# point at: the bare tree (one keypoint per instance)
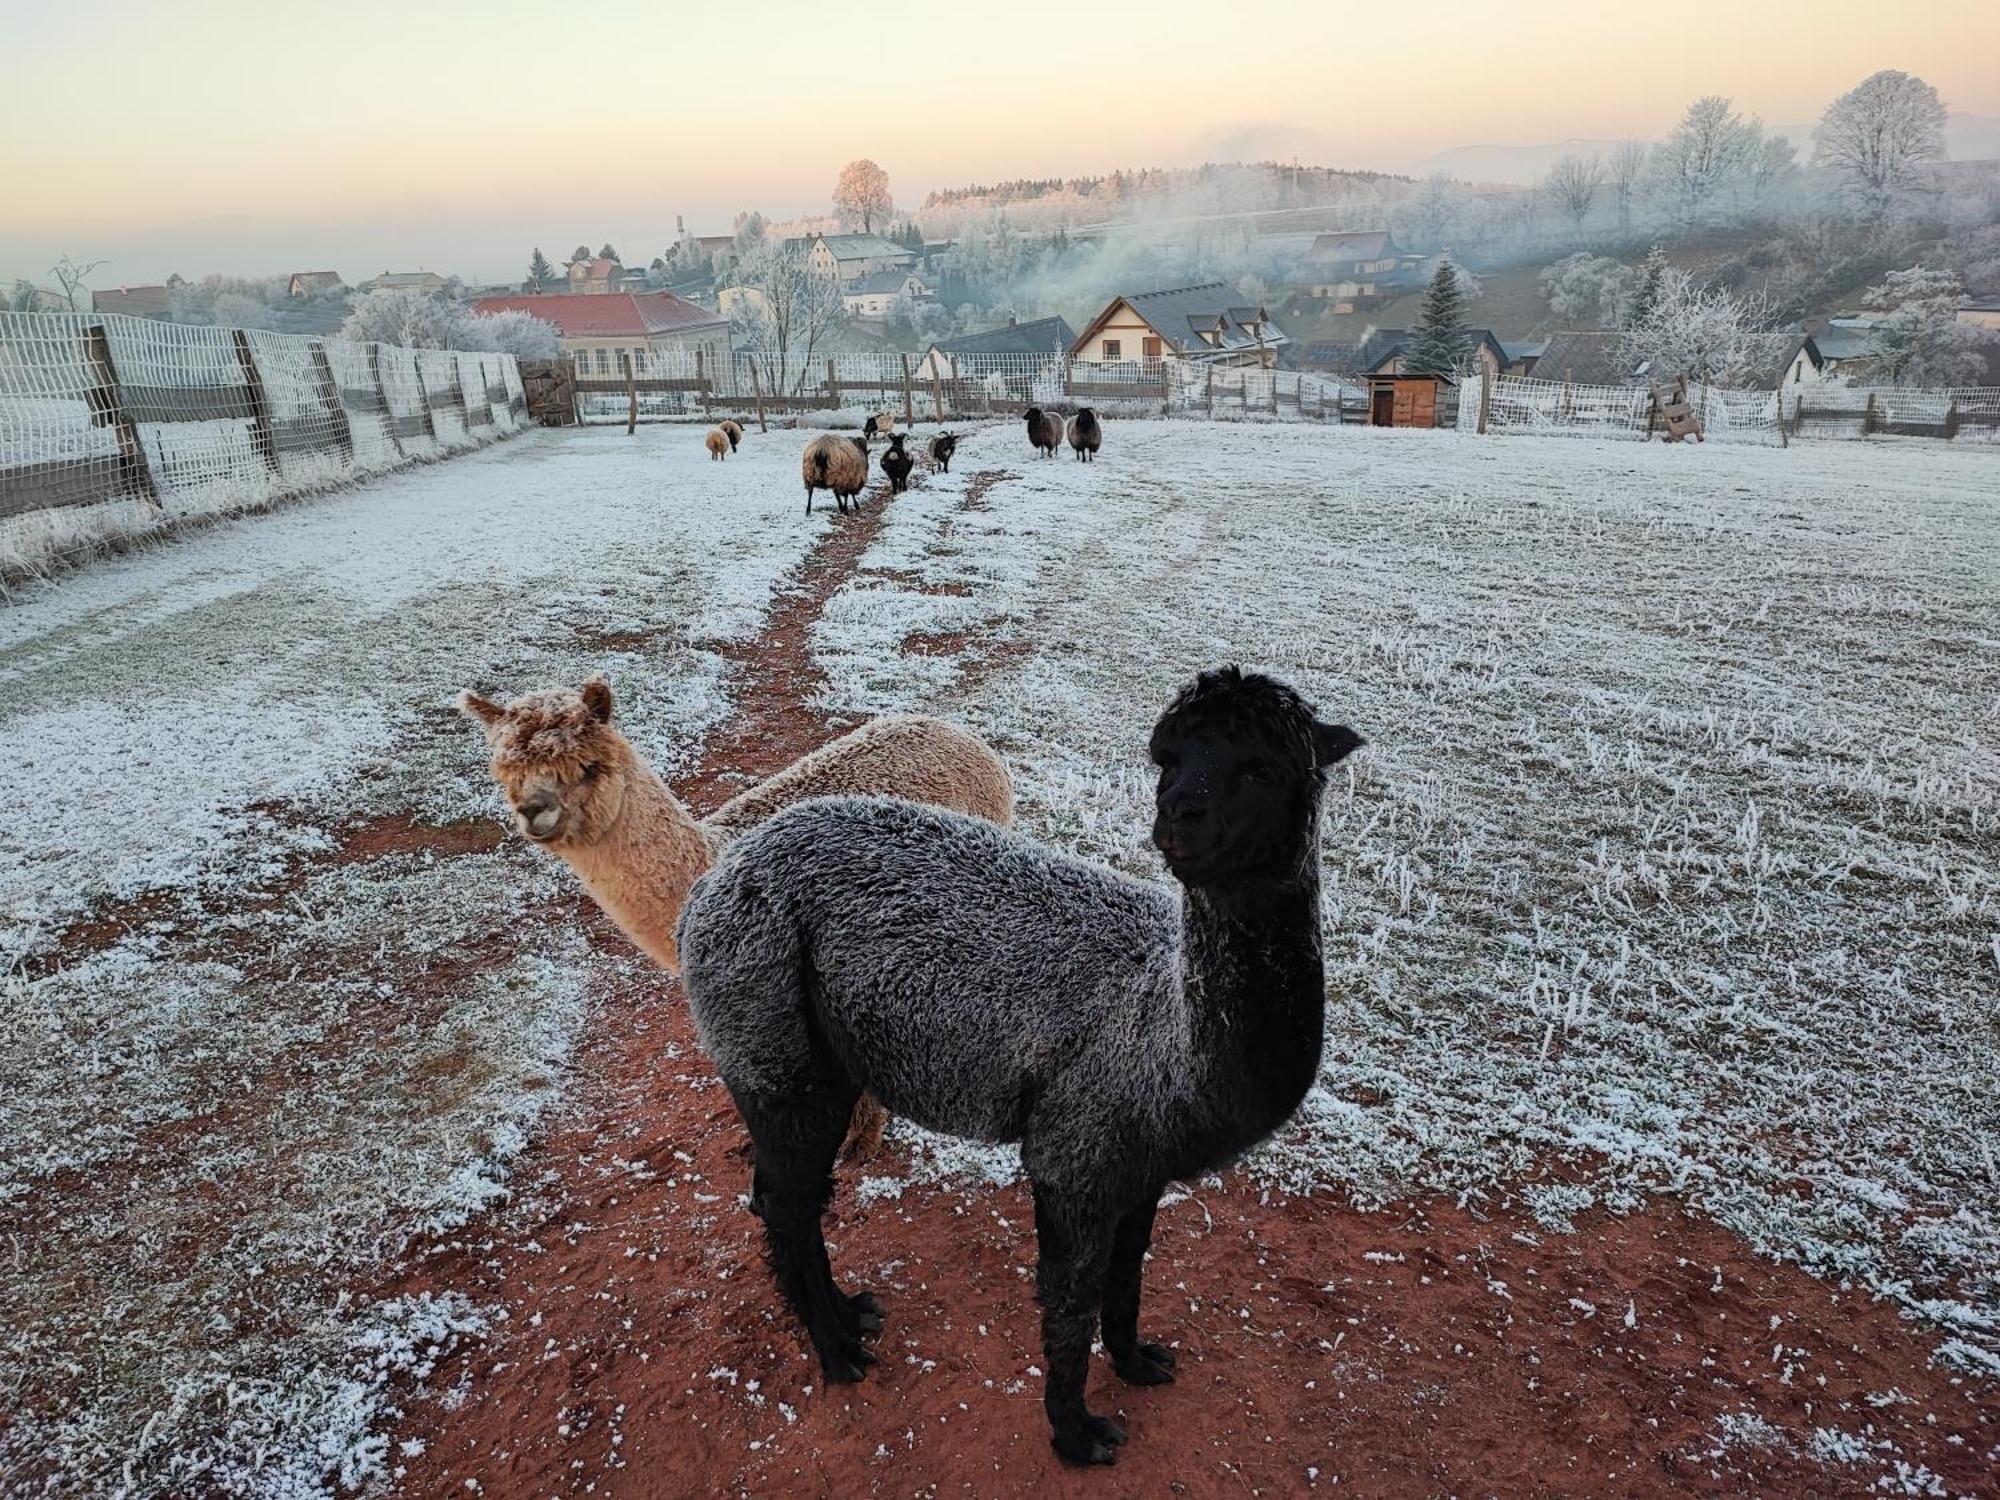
(1705, 333)
(787, 313)
(861, 195)
(1627, 172)
(1879, 134)
(1573, 182)
(1707, 152)
(70, 276)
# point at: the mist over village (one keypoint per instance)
(1128, 751)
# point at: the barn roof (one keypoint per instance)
(1369, 244)
(1038, 336)
(1585, 358)
(862, 246)
(608, 314)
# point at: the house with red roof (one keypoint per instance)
(601, 328)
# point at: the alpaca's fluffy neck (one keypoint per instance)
(639, 872)
(1254, 982)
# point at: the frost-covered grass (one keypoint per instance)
(1671, 867)
(294, 1060)
(1674, 864)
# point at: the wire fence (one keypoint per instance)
(113, 426)
(675, 385)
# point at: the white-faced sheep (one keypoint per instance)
(984, 985)
(942, 447)
(897, 463)
(1045, 430)
(835, 463)
(1086, 435)
(579, 788)
(733, 430)
(717, 443)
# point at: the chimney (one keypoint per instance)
(1012, 320)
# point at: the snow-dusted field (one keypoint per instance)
(1672, 865)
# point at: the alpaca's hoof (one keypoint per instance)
(1146, 1364)
(1095, 1440)
(860, 1315)
(845, 1360)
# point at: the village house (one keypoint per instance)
(1981, 314)
(316, 284)
(847, 258)
(873, 297)
(405, 281)
(1581, 357)
(602, 329)
(1049, 338)
(134, 301)
(601, 274)
(1207, 323)
(1845, 352)
(1356, 270)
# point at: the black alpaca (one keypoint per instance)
(984, 985)
(897, 463)
(1045, 431)
(1086, 436)
(942, 447)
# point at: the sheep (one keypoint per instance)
(718, 445)
(1045, 430)
(897, 463)
(733, 430)
(881, 424)
(984, 985)
(1086, 434)
(835, 463)
(942, 447)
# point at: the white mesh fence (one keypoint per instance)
(1965, 414)
(114, 425)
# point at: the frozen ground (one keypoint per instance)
(1672, 866)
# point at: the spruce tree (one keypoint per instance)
(540, 272)
(1440, 341)
(1646, 296)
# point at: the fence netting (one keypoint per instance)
(111, 425)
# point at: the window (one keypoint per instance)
(603, 361)
(1150, 348)
(1113, 349)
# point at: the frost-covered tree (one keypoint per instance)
(240, 310)
(541, 275)
(70, 275)
(23, 296)
(1625, 174)
(748, 230)
(517, 333)
(1879, 136)
(1705, 155)
(1706, 333)
(398, 315)
(861, 195)
(793, 311)
(1439, 341)
(1639, 304)
(1428, 218)
(1773, 164)
(1926, 344)
(1573, 181)
(1587, 290)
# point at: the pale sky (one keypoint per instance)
(224, 135)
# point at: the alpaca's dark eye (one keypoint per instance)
(590, 771)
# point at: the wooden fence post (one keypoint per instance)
(937, 390)
(1485, 395)
(1868, 415)
(382, 394)
(832, 387)
(631, 393)
(1951, 419)
(330, 392)
(909, 405)
(757, 387)
(1783, 441)
(701, 382)
(424, 395)
(260, 412)
(107, 409)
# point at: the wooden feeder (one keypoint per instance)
(1673, 414)
(1402, 400)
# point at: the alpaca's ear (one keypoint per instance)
(1333, 743)
(485, 710)
(597, 698)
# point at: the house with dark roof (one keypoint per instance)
(875, 295)
(133, 301)
(847, 258)
(316, 284)
(1354, 270)
(405, 281)
(1050, 337)
(601, 329)
(1385, 351)
(1208, 323)
(1588, 358)
(1845, 351)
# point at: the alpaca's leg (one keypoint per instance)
(797, 1137)
(1069, 1281)
(1137, 1362)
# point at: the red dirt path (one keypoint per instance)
(1419, 1351)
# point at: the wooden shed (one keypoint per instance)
(1396, 400)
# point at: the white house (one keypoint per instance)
(1208, 322)
(874, 295)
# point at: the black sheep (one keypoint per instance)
(897, 463)
(1045, 430)
(942, 447)
(1085, 435)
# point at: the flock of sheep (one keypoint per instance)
(840, 464)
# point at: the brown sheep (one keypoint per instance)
(834, 463)
(718, 444)
(731, 429)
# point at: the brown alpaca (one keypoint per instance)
(718, 443)
(578, 787)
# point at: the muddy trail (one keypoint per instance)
(639, 1347)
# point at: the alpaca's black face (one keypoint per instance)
(1241, 762)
